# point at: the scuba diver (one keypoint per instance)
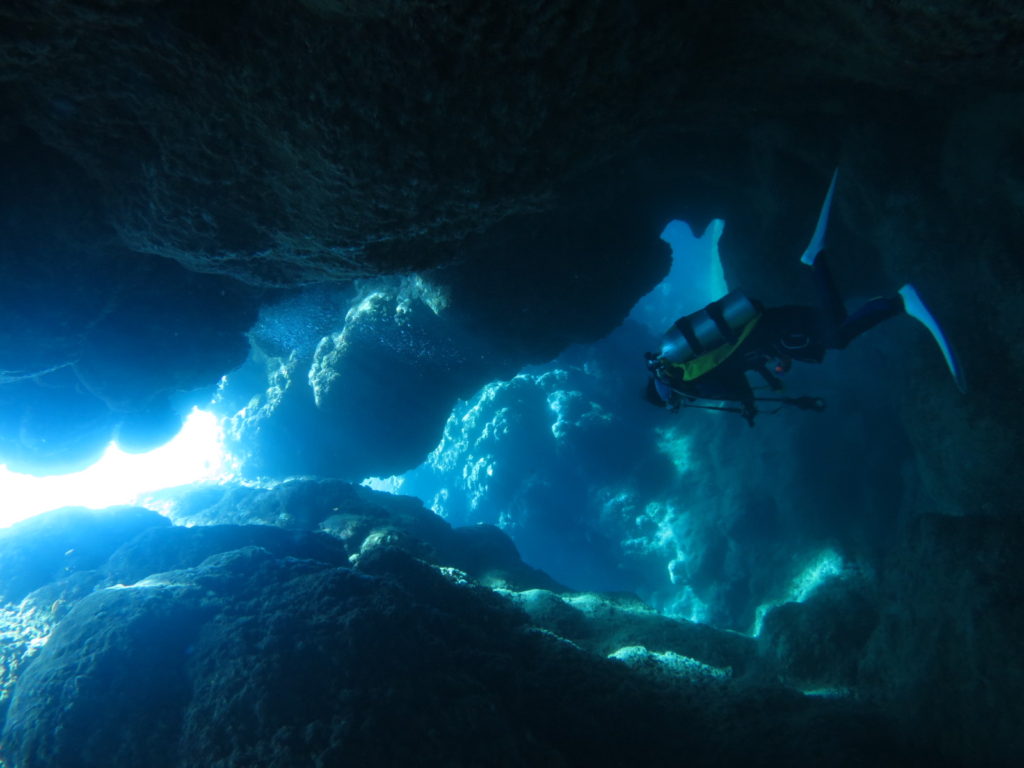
(705, 356)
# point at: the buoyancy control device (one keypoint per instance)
(710, 334)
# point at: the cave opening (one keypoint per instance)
(195, 455)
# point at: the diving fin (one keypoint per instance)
(914, 307)
(817, 244)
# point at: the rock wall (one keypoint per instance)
(96, 342)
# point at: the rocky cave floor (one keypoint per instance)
(322, 623)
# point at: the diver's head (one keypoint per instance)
(659, 392)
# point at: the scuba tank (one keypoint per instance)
(720, 322)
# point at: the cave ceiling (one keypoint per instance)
(170, 165)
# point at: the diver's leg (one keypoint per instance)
(834, 312)
(864, 319)
(909, 302)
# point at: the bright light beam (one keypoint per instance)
(195, 455)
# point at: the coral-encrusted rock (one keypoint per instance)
(49, 563)
(131, 642)
(386, 383)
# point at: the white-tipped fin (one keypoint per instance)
(914, 307)
(817, 244)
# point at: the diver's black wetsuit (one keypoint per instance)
(781, 335)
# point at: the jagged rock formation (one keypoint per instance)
(368, 400)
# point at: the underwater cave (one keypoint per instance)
(427, 382)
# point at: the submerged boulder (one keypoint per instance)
(818, 644)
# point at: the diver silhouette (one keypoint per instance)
(705, 356)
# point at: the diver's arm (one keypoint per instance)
(770, 378)
(731, 385)
(745, 396)
(664, 389)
